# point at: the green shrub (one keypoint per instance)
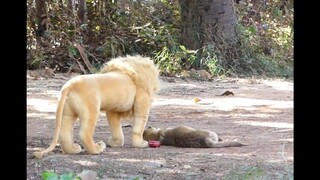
(50, 175)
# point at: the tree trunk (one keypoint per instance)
(41, 16)
(205, 20)
(70, 7)
(82, 11)
(190, 24)
(61, 3)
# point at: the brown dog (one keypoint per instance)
(184, 136)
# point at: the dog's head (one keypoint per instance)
(151, 133)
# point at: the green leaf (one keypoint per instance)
(84, 26)
(183, 48)
(72, 50)
(252, 30)
(48, 175)
(66, 176)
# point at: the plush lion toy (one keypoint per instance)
(124, 87)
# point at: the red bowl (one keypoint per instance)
(154, 144)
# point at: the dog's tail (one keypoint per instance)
(221, 144)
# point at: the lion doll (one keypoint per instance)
(124, 87)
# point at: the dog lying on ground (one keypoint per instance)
(184, 136)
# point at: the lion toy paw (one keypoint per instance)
(115, 143)
(143, 144)
(102, 145)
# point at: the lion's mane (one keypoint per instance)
(140, 69)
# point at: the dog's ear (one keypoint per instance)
(160, 135)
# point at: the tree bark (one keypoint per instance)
(190, 24)
(82, 11)
(41, 16)
(70, 7)
(205, 20)
(60, 3)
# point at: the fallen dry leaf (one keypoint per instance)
(196, 99)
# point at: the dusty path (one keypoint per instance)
(259, 114)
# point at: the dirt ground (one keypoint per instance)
(259, 114)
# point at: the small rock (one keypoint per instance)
(87, 175)
(153, 164)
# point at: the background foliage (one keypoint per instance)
(152, 28)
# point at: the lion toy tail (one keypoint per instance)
(63, 97)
